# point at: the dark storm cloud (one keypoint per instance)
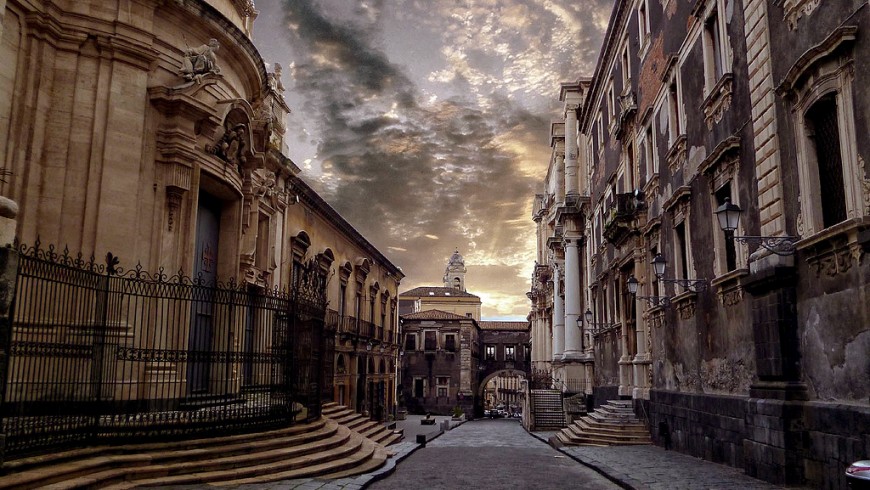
(420, 176)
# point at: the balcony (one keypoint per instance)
(619, 222)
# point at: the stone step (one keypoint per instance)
(184, 471)
(51, 468)
(352, 455)
(362, 425)
(596, 441)
(574, 430)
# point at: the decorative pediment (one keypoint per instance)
(793, 10)
(677, 154)
(678, 204)
(841, 37)
(722, 164)
(719, 101)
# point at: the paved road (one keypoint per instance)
(490, 454)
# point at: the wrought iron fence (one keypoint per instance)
(97, 353)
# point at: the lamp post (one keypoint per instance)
(653, 301)
(728, 215)
(598, 326)
(659, 264)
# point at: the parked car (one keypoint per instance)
(858, 475)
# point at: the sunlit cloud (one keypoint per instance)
(443, 151)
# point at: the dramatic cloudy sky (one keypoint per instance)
(425, 122)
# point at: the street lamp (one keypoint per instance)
(597, 326)
(729, 218)
(653, 301)
(659, 263)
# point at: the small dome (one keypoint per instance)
(456, 259)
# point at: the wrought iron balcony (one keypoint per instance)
(619, 221)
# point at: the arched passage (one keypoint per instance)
(500, 389)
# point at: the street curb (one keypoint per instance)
(605, 471)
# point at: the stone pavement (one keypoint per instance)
(490, 454)
(654, 468)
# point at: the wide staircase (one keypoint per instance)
(322, 449)
(547, 409)
(360, 424)
(613, 424)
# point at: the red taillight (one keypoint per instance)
(856, 469)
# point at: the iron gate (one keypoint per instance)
(102, 354)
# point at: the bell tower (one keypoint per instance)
(454, 275)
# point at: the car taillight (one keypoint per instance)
(856, 469)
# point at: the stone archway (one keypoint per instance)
(510, 394)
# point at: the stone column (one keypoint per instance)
(641, 360)
(560, 178)
(572, 181)
(558, 316)
(573, 336)
(625, 368)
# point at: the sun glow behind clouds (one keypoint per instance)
(431, 119)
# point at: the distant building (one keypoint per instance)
(449, 353)
(451, 297)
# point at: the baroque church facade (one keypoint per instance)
(703, 231)
(156, 132)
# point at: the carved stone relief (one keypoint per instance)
(200, 62)
(793, 10)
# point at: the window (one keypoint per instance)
(650, 153)
(626, 70)
(450, 342)
(342, 299)
(600, 126)
(490, 352)
(443, 383)
(831, 175)
(823, 130)
(682, 266)
(509, 353)
(430, 340)
(730, 262)
(675, 124)
(715, 53)
(468, 315)
(410, 341)
(642, 25)
(611, 101)
(419, 387)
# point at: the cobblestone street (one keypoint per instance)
(490, 454)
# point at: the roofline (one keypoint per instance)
(606, 54)
(308, 196)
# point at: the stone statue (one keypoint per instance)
(200, 61)
(274, 79)
(233, 146)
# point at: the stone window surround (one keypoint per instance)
(721, 167)
(822, 70)
(676, 155)
(679, 207)
(703, 11)
(643, 28)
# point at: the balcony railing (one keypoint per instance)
(618, 222)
